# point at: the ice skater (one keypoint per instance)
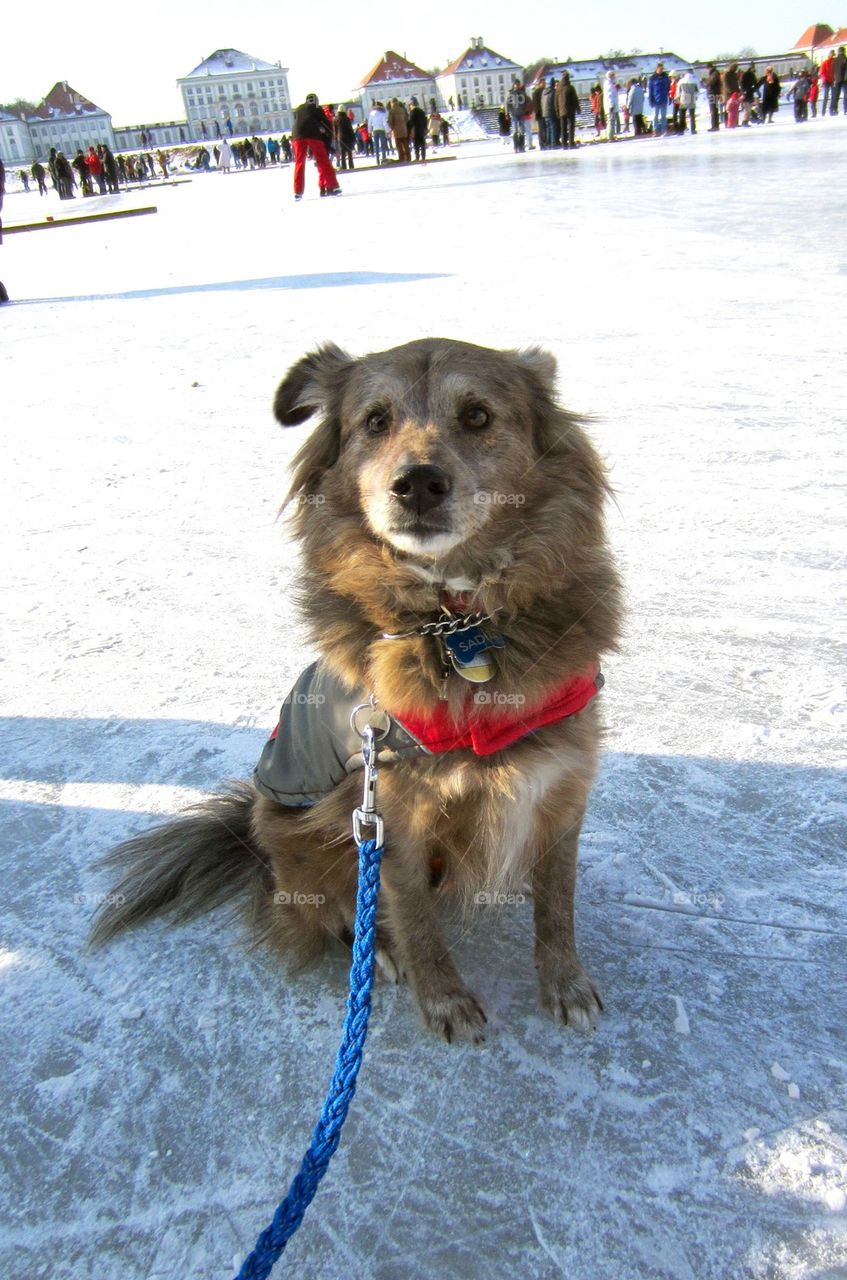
(312, 135)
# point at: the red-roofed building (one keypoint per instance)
(835, 41)
(69, 122)
(813, 36)
(478, 77)
(395, 77)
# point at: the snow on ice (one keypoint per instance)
(157, 1096)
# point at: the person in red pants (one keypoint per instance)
(312, 135)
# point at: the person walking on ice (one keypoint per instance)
(312, 135)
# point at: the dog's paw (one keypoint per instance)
(570, 997)
(454, 1016)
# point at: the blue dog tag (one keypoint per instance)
(465, 645)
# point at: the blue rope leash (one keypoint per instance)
(327, 1134)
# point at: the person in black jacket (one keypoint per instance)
(417, 128)
(312, 136)
(346, 137)
(567, 106)
(749, 87)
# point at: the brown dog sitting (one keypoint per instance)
(443, 484)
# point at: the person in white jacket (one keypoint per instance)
(611, 102)
(687, 90)
(224, 156)
(377, 127)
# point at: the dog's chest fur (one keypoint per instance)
(492, 818)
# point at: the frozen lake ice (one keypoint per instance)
(158, 1096)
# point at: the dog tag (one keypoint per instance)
(478, 669)
(465, 646)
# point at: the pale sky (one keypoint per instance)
(127, 59)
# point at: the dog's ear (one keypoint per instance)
(538, 368)
(310, 384)
(541, 366)
(314, 385)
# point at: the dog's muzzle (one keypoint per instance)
(419, 489)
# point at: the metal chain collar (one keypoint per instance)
(446, 626)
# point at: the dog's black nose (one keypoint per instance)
(420, 488)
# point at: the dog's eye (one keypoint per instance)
(378, 421)
(475, 416)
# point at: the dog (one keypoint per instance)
(456, 581)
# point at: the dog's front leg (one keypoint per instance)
(447, 1006)
(567, 993)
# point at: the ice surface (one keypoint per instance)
(157, 1096)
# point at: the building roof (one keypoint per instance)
(631, 64)
(62, 103)
(8, 115)
(392, 68)
(837, 38)
(225, 62)
(814, 35)
(478, 57)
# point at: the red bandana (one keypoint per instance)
(492, 726)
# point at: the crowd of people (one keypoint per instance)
(656, 105)
(664, 103)
(324, 134)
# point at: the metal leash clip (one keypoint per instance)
(368, 815)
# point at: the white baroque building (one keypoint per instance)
(15, 142)
(478, 77)
(231, 92)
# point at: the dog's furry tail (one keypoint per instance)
(201, 860)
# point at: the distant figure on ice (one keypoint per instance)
(567, 106)
(417, 129)
(398, 123)
(24, 177)
(597, 110)
(749, 88)
(611, 105)
(635, 105)
(312, 135)
(658, 94)
(714, 88)
(378, 125)
(519, 107)
(827, 79)
(687, 92)
(732, 106)
(224, 156)
(731, 85)
(345, 137)
(839, 82)
(801, 93)
(40, 173)
(770, 95)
